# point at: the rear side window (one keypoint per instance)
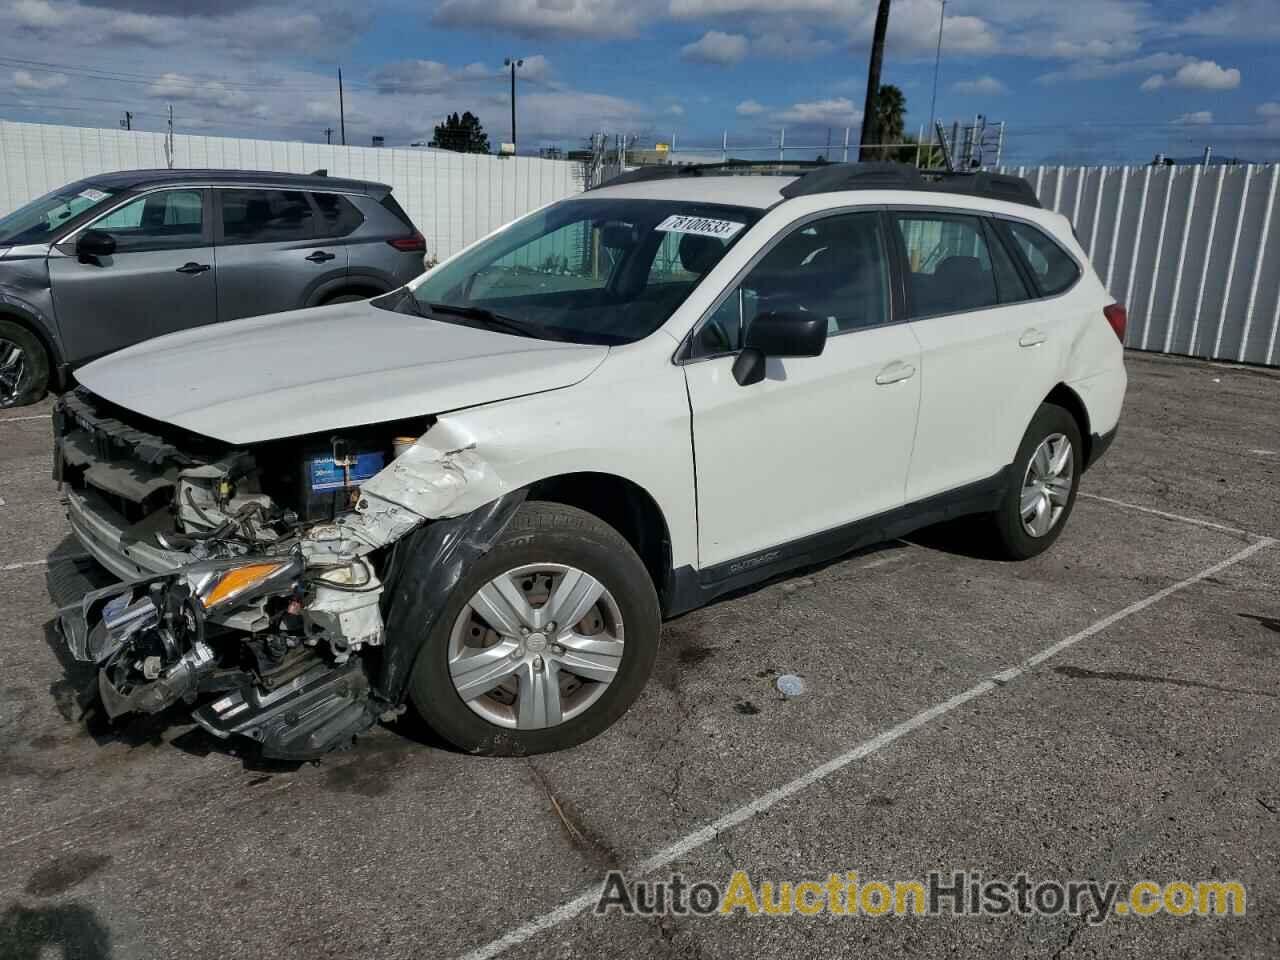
(389, 202)
(265, 216)
(1053, 267)
(948, 263)
(338, 215)
(1009, 283)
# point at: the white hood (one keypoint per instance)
(326, 368)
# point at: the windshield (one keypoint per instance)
(41, 219)
(586, 270)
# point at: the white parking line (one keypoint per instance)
(42, 416)
(1172, 516)
(687, 844)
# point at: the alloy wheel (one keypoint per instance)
(13, 369)
(536, 646)
(1046, 486)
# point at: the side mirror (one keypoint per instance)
(778, 335)
(93, 244)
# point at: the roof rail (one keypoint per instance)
(668, 171)
(816, 176)
(900, 176)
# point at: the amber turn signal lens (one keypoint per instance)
(240, 579)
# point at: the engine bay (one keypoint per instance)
(274, 605)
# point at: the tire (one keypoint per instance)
(1012, 538)
(27, 380)
(542, 533)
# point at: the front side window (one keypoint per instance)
(587, 270)
(166, 219)
(265, 216)
(835, 267)
(42, 218)
(1053, 267)
(948, 263)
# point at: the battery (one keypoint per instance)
(329, 487)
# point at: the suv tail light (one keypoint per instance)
(414, 243)
(1118, 317)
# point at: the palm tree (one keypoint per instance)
(891, 109)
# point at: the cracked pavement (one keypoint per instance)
(1149, 750)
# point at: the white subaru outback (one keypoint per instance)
(482, 493)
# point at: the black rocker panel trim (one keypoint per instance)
(688, 588)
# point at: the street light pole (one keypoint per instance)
(937, 62)
(512, 62)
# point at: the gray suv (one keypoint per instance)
(108, 261)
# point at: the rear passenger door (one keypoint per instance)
(987, 357)
(270, 251)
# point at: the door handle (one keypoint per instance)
(320, 256)
(1032, 338)
(895, 373)
(193, 267)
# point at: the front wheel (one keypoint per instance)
(544, 642)
(1046, 474)
(24, 366)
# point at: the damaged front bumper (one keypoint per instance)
(282, 622)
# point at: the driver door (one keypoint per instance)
(160, 278)
(821, 441)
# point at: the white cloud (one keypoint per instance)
(676, 110)
(750, 108)
(724, 49)
(1269, 111)
(545, 18)
(38, 14)
(986, 85)
(837, 111)
(1197, 118)
(1206, 75)
(1101, 69)
(25, 80)
(411, 76)
(1243, 19)
(1153, 83)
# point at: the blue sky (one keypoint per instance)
(1098, 81)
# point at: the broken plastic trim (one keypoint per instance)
(422, 571)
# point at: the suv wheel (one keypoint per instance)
(24, 366)
(1046, 473)
(545, 641)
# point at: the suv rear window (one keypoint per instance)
(1053, 267)
(389, 202)
(265, 216)
(948, 263)
(338, 215)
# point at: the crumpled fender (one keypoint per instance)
(423, 569)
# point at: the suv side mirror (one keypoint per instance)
(93, 244)
(778, 335)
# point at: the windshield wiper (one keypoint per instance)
(494, 321)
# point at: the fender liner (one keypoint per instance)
(423, 569)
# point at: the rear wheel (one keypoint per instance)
(24, 366)
(545, 642)
(1046, 473)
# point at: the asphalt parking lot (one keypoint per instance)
(1110, 710)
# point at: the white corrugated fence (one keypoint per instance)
(1189, 251)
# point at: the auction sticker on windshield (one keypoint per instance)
(700, 226)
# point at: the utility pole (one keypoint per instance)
(937, 62)
(127, 120)
(512, 62)
(869, 131)
(168, 140)
(342, 110)
(328, 134)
